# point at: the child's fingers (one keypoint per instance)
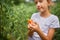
(32, 30)
(32, 26)
(29, 27)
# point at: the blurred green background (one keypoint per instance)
(14, 15)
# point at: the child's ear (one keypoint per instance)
(50, 3)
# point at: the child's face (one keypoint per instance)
(42, 5)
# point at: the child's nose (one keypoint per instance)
(38, 4)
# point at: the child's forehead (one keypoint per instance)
(37, 0)
(41, 0)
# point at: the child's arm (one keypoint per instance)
(41, 34)
(49, 36)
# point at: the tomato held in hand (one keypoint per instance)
(30, 21)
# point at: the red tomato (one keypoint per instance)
(30, 21)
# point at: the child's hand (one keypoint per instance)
(29, 28)
(33, 26)
(30, 22)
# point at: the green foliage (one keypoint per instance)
(56, 9)
(14, 21)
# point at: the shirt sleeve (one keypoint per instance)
(55, 23)
(33, 16)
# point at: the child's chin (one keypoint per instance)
(41, 10)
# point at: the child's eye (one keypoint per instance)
(36, 2)
(40, 1)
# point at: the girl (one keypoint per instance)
(43, 23)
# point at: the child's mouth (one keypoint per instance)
(38, 8)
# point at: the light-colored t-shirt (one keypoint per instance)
(44, 24)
